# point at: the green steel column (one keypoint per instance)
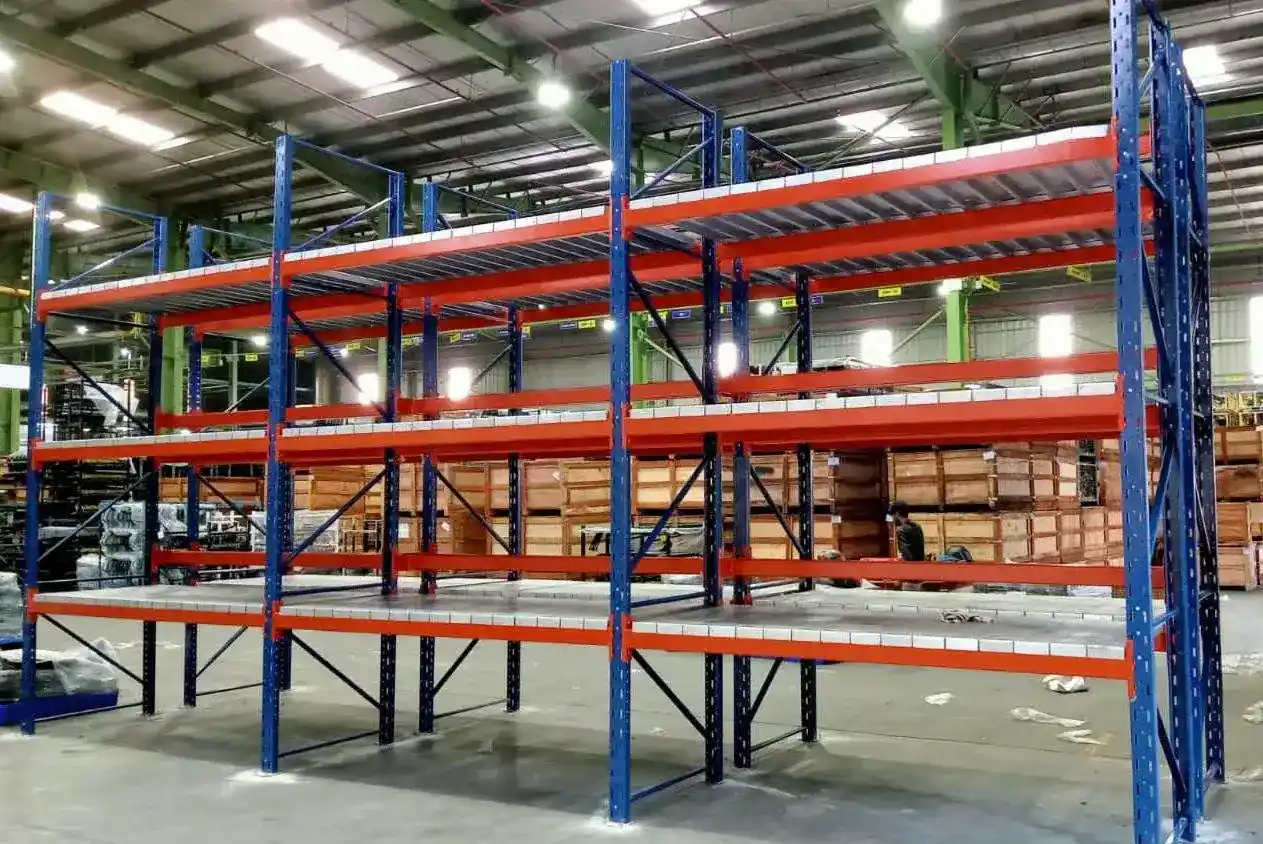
(175, 346)
(12, 320)
(234, 382)
(641, 351)
(956, 308)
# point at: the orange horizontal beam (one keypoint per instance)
(1104, 669)
(220, 278)
(1050, 216)
(196, 451)
(297, 264)
(201, 559)
(540, 563)
(238, 317)
(444, 630)
(997, 164)
(527, 439)
(546, 398)
(1047, 574)
(44, 606)
(927, 373)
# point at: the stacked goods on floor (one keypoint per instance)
(1003, 502)
(1239, 504)
(245, 491)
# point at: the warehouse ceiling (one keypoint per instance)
(173, 104)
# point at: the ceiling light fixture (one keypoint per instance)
(7, 62)
(81, 330)
(552, 93)
(875, 123)
(1204, 65)
(726, 359)
(922, 13)
(608, 325)
(14, 204)
(767, 307)
(312, 44)
(950, 285)
(259, 340)
(87, 201)
(100, 116)
(460, 383)
(81, 225)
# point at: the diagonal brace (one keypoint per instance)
(661, 325)
(333, 669)
(667, 690)
(661, 525)
(88, 379)
(331, 357)
(222, 650)
(339, 513)
(232, 505)
(94, 518)
(780, 517)
(451, 669)
(109, 659)
(487, 526)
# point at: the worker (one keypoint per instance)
(909, 537)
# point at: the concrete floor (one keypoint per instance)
(889, 767)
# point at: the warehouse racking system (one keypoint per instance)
(1070, 197)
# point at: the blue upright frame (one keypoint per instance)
(281, 549)
(742, 145)
(1175, 293)
(147, 485)
(622, 560)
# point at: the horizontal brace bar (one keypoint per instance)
(472, 708)
(771, 741)
(67, 715)
(326, 744)
(667, 599)
(228, 689)
(663, 786)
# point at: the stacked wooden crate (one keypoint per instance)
(242, 491)
(1238, 453)
(859, 504)
(1006, 501)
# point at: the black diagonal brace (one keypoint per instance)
(232, 505)
(780, 517)
(666, 690)
(334, 670)
(500, 540)
(658, 528)
(666, 334)
(92, 382)
(332, 358)
(94, 518)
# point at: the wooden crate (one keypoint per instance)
(1238, 445)
(858, 538)
(769, 542)
(1238, 566)
(241, 491)
(473, 480)
(956, 477)
(540, 535)
(542, 486)
(460, 532)
(656, 482)
(857, 479)
(586, 486)
(779, 473)
(1233, 518)
(1238, 482)
(990, 537)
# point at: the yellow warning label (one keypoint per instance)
(587, 323)
(1080, 272)
(889, 292)
(986, 282)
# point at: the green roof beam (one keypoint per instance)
(955, 85)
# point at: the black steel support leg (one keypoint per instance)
(285, 659)
(513, 679)
(386, 692)
(714, 719)
(807, 691)
(190, 665)
(149, 667)
(425, 699)
(742, 723)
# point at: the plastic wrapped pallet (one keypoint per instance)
(80, 671)
(10, 604)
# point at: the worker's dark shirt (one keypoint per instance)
(911, 541)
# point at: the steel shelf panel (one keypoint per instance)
(1024, 173)
(562, 612)
(945, 417)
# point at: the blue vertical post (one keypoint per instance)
(388, 652)
(193, 499)
(620, 460)
(713, 543)
(806, 503)
(153, 400)
(1171, 236)
(277, 499)
(1212, 648)
(429, 478)
(1129, 244)
(41, 263)
(285, 642)
(513, 653)
(742, 738)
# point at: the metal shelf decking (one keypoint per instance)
(1045, 193)
(1060, 635)
(1038, 202)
